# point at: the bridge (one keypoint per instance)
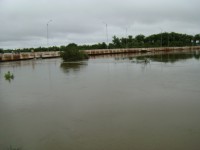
(28, 55)
(138, 50)
(54, 54)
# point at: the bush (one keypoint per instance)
(73, 55)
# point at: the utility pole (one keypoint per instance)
(48, 32)
(106, 34)
(168, 39)
(161, 36)
(126, 37)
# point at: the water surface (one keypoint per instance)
(106, 103)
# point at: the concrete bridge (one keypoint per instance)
(28, 55)
(138, 50)
(35, 55)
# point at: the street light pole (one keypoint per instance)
(48, 32)
(161, 35)
(126, 36)
(168, 39)
(106, 33)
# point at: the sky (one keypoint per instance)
(23, 23)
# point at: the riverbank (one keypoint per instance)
(53, 54)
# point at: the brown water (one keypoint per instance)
(105, 103)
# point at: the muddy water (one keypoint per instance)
(106, 103)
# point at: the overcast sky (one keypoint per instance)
(23, 23)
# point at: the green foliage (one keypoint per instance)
(155, 40)
(140, 38)
(1, 50)
(197, 39)
(9, 76)
(117, 43)
(94, 46)
(73, 54)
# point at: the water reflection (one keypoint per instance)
(12, 148)
(15, 64)
(108, 104)
(165, 57)
(72, 66)
(170, 57)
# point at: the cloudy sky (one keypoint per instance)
(23, 23)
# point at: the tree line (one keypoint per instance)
(156, 40)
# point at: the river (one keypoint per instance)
(117, 102)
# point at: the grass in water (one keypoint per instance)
(9, 76)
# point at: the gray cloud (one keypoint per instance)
(23, 22)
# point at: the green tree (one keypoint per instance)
(72, 46)
(1, 50)
(116, 42)
(140, 39)
(71, 53)
(197, 39)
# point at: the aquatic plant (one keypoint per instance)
(9, 76)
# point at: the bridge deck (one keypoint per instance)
(33, 55)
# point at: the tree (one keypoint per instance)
(197, 39)
(73, 55)
(116, 42)
(72, 46)
(1, 50)
(140, 38)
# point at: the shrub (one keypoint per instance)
(73, 55)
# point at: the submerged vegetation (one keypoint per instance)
(9, 76)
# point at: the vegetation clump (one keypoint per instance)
(9, 76)
(71, 53)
